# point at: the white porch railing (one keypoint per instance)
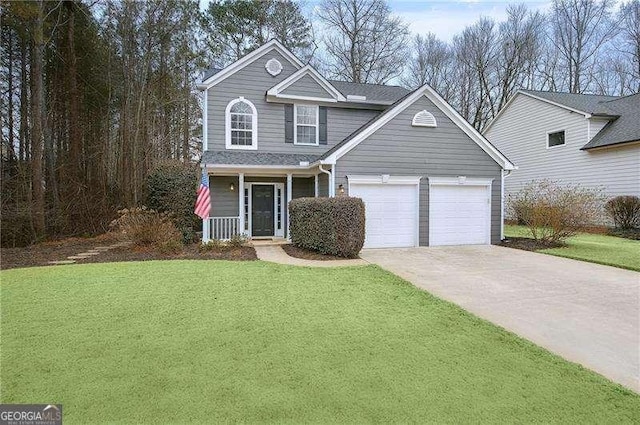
(223, 228)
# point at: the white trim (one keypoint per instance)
(276, 91)
(557, 131)
(294, 98)
(254, 125)
(315, 186)
(295, 124)
(441, 104)
(241, 201)
(289, 197)
(382, 179)
(463, 181)
(277, 233)
(249, 58)
(429, 116)
(205, 127)
(386, 179)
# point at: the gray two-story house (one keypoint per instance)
(275, 130)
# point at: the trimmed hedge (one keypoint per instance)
(332, 226)
(624, 211)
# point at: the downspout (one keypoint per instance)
(503, 175)
(330, 178)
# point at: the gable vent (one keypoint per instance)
(424, 119)
(273, 66)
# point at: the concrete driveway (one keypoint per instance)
(584, 312)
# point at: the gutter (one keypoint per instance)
(331, 180)
(503, 176)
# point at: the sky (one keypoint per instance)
(445, 18)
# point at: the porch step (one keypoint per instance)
(268, 242)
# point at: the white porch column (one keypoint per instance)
(289, 189)
(205, 231)
(316, 186)
(332, 182)
(241, 202)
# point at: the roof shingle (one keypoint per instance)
(226, 157)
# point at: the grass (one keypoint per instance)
(601, 249)
(207, 342)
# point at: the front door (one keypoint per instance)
(262, 210)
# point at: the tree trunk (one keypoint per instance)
(37, 62)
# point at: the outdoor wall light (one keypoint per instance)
(232, 187)
(341, 189)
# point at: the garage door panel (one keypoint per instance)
(459, 215)
(391, 214)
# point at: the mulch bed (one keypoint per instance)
(528, 244)
(40, 254)
(307, 254)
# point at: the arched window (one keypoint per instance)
(424, 119)
(242, 125)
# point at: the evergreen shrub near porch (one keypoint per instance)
(332, 226)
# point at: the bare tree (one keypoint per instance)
(630, 26)
(430, 64)
(364, 42)
(580, 29)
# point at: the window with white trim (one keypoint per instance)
(555, 139)
(241, 125)
(306, 121)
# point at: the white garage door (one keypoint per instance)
(391, 214)
(459, 214)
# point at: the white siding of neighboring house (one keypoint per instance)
(521, 134)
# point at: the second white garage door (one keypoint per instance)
(391, 212)
(459, 214)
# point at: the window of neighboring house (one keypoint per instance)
(555, 139)
(242, 125)
(306, 119)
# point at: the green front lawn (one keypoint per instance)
(601, 249)
(215, 341)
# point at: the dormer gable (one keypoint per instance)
(305, 84)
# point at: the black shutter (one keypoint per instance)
(323, 125)
(288, 123)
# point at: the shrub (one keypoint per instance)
(332, 226)
(553, 212)
(212, 245)
(145, 227)
(624, 211)
(171, 187)
(237, 241)
(170, 247)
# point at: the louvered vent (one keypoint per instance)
(273, 66)
(424, 119)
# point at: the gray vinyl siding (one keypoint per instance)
(521, 134)
(224, 202)
(252, 82)
(446, 151)
(307, 86)
(323, 185)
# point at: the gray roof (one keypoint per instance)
(625, 128)
(373, 92)
(590, 103)
(255, 158)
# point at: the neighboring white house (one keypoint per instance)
(581, 139)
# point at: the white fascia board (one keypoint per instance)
(247, 59)
(380, 179)
(306, 70)
(280, 97)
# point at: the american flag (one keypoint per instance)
(203, 202)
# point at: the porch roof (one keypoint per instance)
(255, 158)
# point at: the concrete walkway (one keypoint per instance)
(584, 312)
(275, 254)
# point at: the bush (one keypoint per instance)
(624, 211)
(171, 187)
(212, 245)
(237, 241)
(145, 227)
(553, 212)
(332, 226)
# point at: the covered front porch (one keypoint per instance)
(253, 201)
